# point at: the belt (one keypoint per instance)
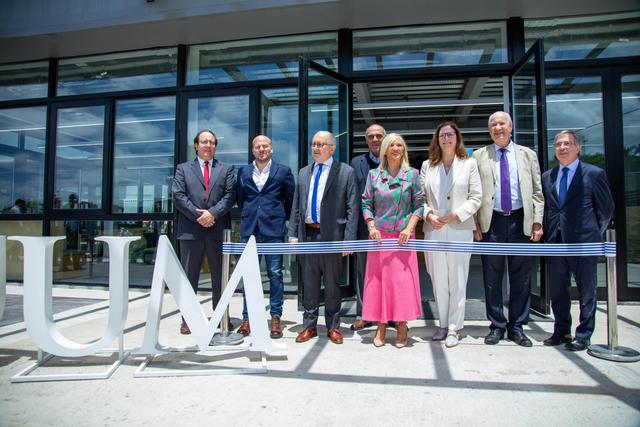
(312, 225)
(508, 213)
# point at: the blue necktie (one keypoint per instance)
(314, 196)
(505, 182)
(562, 192)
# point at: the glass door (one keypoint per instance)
(325, 103)
(529, 129)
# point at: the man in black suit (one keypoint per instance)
(204, 190)
(264, 194)
(361, 165)
(324, 209)
(578, 208)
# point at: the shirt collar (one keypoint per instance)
(266, 169)
(327, 163)
(572, 166)
(374, 158)
(201, 162)
(509, 146)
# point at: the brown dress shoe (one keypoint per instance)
(307, 334)
(360, 324)
(276, 330)
(184, 328)
(245, 328)
(335, 336)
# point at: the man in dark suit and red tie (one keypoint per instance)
(264, 194)
(204, 191)
(578, 208)
(325, 208)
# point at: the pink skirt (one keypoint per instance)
(391, 285)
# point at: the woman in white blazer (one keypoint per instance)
(453, 194)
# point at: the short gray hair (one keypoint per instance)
(576, 138)
(500, 113)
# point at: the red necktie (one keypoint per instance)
(206, 176)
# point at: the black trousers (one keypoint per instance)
(192, 253)
(315, 268)
(507, 229)
(584, 270)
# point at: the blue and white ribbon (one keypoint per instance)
(480, 248)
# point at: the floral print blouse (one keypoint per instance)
(390, 201)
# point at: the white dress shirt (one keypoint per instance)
(324, 175)
(260, 177)
(201, 162)
(516, 197)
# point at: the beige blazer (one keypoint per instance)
(464, 193)
(528, 179)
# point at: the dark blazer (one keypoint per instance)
(360, 166)
(587, 210)
(270, 208)
(339, 206)
(189, 195)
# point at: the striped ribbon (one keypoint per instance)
(480, 248)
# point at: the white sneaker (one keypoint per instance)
(441, 333)
(452, 339)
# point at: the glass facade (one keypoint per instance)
(586, 37)
(144, 155)
(22, 148)
(260, 59)
(96, 155)
(631, 140)
(79, 157)
(24, 81)
(147, 69)
(430, 46)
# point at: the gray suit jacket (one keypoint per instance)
(339, 207)
(528, 179)
(360, 165)
(189, 195)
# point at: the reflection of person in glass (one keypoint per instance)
(392, 206)
(578, 208)
(204, 191)
(452, 193)
(72, 227)
(361, 165)
(511, 212)
(265, 193)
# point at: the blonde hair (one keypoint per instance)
(386, 142)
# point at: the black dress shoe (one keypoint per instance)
(519, 338)
(494, 337)
(557, 339)
(577, 344)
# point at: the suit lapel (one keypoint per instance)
(333, 172)
(433, 180)
(272, 173)
(248, 178)
(491, 153)
(216, 173)
(553, 177)
(576, 181)
(197, 172)
(456, 168)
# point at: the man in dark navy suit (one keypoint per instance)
(578, 208)
(204, 190)
(362, 164)
(264, 194)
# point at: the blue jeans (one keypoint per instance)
(274, 271)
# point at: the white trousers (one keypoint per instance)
(449, 272)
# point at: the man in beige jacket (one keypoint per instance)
(511, 212)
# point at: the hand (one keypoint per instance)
(404, 236)
(448, 218)
(205, 219)
(375, 234)
(477, 233)
(435, 221)
(536, 232)
(346, 253)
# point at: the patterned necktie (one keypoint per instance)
(505, 182)
(206, 176)
(562, 192)
(314, 196)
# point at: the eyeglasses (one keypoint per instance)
(446, 135)
(207, 142)
(318, 145)
(562, 143)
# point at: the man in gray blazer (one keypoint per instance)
(204, 190)
(511, 212)
(325, 207)
(362, 164)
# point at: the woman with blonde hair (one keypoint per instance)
(453, 194)
(392, 205)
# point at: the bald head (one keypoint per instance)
(374, 136)
(262, 150)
